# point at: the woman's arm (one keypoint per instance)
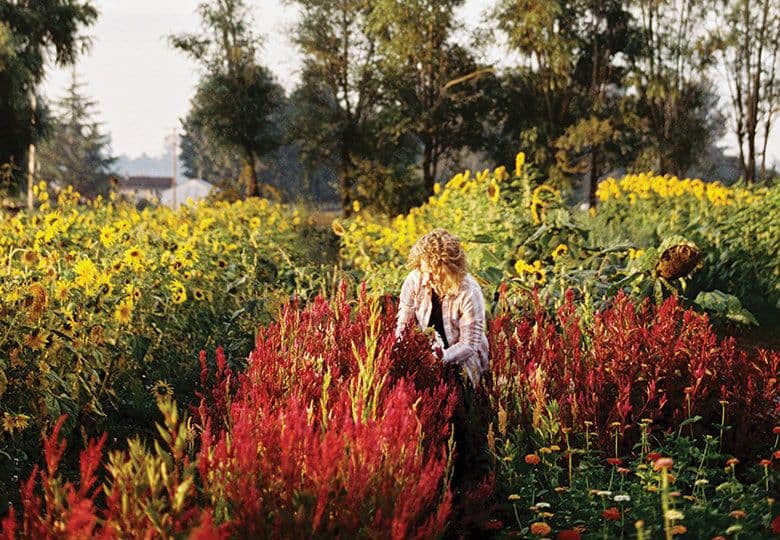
(406, 305)
(472, 328)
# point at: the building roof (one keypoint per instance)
(146, 182)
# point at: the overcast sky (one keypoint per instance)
(142, 86)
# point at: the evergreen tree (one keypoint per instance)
(31, 32)
(76, 152)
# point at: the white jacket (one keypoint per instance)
(463, 315)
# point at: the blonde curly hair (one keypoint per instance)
(444, 254)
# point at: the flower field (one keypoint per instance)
(102, 305)
(612, 410)
(734, 226)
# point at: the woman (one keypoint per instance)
(440, 293)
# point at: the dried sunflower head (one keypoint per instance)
(678, 259)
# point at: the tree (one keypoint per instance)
(749, 37)
(336, 103)
(76, 152)
(570, 69)
(202, 158)
(29, 33)
(669, 70)
(281, 176)
(434, 86)
(236, 100)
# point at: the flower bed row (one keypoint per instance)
(336, 429)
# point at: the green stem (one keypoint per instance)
(665, 504)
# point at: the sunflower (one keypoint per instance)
(96, 334)
(21, 421)
(519, 162)
(123, 313)
(36, 300)
(178, 292)
(107, 236)
(30, 257)
(86, 271)
(162, 391)
(9, 423)
(134, 258)
(62, 290)
(338, 228)
(562, 249)
(133, 292)
(493, 192)
(36, 341)
(198, 295)
(222, 264)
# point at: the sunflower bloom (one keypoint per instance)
(162, 391)
(123, 313)
(178, 292)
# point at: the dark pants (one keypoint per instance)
(470, 420)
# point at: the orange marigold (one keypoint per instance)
(540, 528)
(533, 459)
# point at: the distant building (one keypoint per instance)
(194, 189)
(139, 188)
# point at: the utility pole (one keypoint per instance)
(31, 152)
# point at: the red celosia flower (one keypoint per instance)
(776, 454)
(765, 462)
(738, 514)
(776, 430)
(615, 461)
(623, 470)
(612, 514)
(540, 528)
(731, 462)
(569, 534)
(652, 456)
(776, 525)
(533, 459)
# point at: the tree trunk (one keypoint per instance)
(249, 177)
(428, 169)
(346, 179)
(594, 176)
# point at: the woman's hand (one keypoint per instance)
(437, 343)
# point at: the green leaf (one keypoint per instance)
(491, 274)
(481, 239)
(725, 305)
(689, 421)
(140, 346)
